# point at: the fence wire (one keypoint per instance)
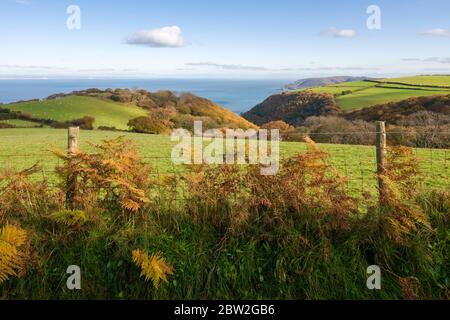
(357, 163)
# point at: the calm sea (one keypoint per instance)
(236, 95)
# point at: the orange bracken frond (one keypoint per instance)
(11, 259)
(154, 267)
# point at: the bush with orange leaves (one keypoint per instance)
(114, 177)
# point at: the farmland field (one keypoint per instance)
(443, 80)
(106, 113)
(361, 94)
(21, 148)
(380, 95)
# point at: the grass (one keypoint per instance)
(443, 80)
(347, 86)
(22, 148)
(106, 113)
(363, 94)
(376, 95)
(20, 123)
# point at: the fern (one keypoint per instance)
(70, 218)
(11, 259)
(153, 267)
(404, 217)
(114, 177)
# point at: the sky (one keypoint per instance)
(223, 38)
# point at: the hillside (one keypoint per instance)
(106, 113)
(161, 111)
(396, 111)
(292, 108)
(319, 82)
(361, 94)
(386, 99)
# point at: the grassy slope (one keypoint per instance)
(423, 80)
(20, 123)
(366, 94)
(106, 113)
(356, 162)
(375, 95)
(338, 88)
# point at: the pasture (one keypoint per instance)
(429, 80)
(21, 148)
(380, 95)
(361, 94)
(106, 113)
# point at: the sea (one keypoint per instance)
(236, 95)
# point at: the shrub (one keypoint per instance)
(186, 121)
(24, 115)
(148, 124)
(106, 128)
(338, 130)
(284, 128)
(4, 125)
(87, 123)
(122, 95)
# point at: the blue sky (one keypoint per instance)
(223, 39)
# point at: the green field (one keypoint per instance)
(361, 94)
(20, 123)
(21, 148)
(381, 95)
(443, 80)
(106, 113)
(346, 86)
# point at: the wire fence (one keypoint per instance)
(358, 163)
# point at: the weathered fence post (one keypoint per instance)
(72, 150)
(72, 141)
(381, 156)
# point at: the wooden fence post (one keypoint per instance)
(72, 141)
(381, 157)
(72, 150)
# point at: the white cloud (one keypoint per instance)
(23, 1)
(438, 32)
(165, 37)
(339, 33)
